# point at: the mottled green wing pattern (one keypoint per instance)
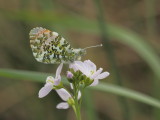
(51, 48)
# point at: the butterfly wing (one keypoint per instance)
(49, 47)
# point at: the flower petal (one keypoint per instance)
(45, 90)
(96, 73)
(78, 62)
(63, 94)
(95, 82)
(50, 79)
(57, 80)
(62, 105)
(59, 69)
(71, 85)
(102, 75)
(73, 66)
(91, 65)
(83, 68)
(79, 95)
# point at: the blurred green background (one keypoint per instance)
(130, 33)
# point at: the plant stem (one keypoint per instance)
(82, 93)
(74, 108)
(77, 105)
(77, 110)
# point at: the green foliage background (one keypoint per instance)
(129, 31)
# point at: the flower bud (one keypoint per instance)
(70, 101)
(88, 81)
(69, 75)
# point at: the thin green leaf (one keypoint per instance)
(114, 89)
(40, 77)
(123, 35)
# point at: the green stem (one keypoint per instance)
(74, 108)
(77, 110)
(77, 105)
(82, 92)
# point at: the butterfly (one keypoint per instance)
(51, 48)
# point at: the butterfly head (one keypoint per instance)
(78, 53)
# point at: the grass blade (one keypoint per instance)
(103, 87)
(73, 22)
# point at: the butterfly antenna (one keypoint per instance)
(93, 46)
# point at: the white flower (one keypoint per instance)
(65, 96)
(50, 82)
(89, 69)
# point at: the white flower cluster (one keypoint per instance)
(87, 68)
